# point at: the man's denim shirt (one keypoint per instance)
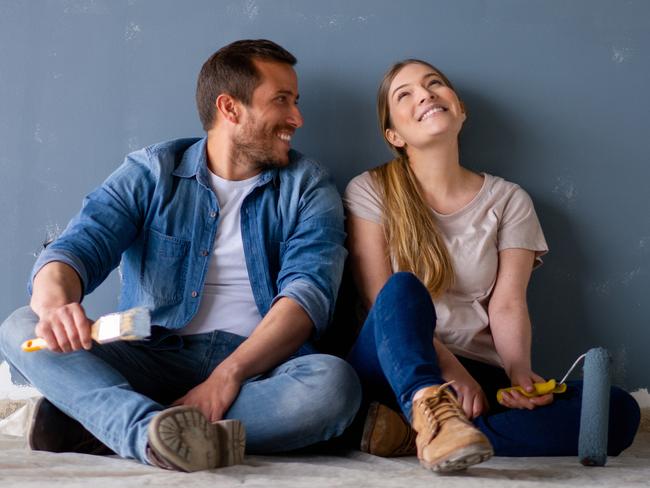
(158, 214)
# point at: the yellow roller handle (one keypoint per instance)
(32, 345)
(540, 389)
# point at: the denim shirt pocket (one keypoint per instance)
(164, 266)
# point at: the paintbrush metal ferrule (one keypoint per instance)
(129, 325)
(107, 328)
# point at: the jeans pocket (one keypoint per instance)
(164, 266)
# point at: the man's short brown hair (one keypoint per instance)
(231, 70)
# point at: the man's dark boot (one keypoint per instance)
(52, 430)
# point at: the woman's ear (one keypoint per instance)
(463, 111)
(394, 138)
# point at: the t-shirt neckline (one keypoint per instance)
(471, 204)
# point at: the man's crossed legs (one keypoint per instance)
(120, 392)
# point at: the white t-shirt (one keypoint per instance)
(227, 301)
(501, 216)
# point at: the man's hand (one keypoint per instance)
(525, 378)
(280, 333)
(214, 396)
(65, 329)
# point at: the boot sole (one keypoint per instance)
(185, 439)
(460, 459)
(232, 435)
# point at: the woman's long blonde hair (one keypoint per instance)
(414, 241)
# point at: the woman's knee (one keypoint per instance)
(625, 415)
(403, 284)
(404, 291)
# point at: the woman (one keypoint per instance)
(469, 242)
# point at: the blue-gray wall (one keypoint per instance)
(557, 94)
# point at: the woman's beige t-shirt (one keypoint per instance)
(501, 216)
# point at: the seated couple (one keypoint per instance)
(235, 243)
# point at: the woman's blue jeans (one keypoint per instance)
(115, 390)
(394, 358)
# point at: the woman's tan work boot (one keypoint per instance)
(446, 440)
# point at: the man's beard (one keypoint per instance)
(255, 148)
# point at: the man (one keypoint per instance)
(235, 244)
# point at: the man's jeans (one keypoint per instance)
(115, 390)
(394, 357)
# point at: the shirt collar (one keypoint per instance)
(195, 163)
(194, 159)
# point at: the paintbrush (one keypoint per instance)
(130, 325)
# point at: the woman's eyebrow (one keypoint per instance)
(428, 75)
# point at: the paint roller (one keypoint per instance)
(594, 413)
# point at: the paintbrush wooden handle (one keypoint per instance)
(32, 345)
(38, 343)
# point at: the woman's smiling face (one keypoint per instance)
(423, 108)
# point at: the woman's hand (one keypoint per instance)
(470, 395)
(468, 391)
(525, 378)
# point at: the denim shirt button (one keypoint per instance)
(195, 294)
(213, 214)
(204, 253)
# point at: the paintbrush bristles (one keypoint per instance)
(129, 325)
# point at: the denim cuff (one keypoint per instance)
(50, 255)
(311, 299)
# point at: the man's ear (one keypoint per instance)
(394, 138)
(228, 108)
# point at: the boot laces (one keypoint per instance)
(439, 407)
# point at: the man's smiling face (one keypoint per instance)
(269, 122)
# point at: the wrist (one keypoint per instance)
(229, 370)
(456, 372)
(517, 368)
(44, 309)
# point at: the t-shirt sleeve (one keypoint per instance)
(520, 227)
(362, 200)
